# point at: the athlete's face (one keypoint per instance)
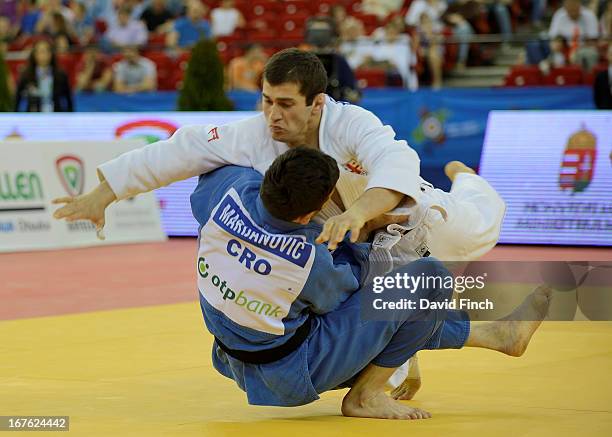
(286, 112)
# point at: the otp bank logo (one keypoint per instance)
(150, 130)
(578, 163)
(71, 173)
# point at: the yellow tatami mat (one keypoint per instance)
(147, 371)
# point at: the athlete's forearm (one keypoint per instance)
(375, 202)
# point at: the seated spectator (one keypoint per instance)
(438, 13)
(347, 27)
(558, 56)
(430, 48)
(126, 32)
(388, 48)
(191, 28)
(226, 19)
(244, 72)
(82, 25)
(381, 8)
(29, 19)
(43, 85)
(94, 73)
(157, 17)
(602, 87)
(578, 25)
(134, 73)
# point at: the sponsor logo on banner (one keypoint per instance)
(431, 127)
(20, 190)
(71, 173)
(578, 164)
(34, 226)
(149, 130)
(7, 227)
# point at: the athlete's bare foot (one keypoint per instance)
(511, 335)
(525, 319)
(407, 389)
(378, 405)
(453, 168)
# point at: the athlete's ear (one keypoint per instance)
(318, 102)
(306, 218)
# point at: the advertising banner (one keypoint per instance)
(146, 127)
(554, 170)
(32, 173)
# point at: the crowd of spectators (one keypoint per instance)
(137, 45)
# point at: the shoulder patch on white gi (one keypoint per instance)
(250, 275)
(355, 166)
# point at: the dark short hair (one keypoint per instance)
(298, 182)
(299, 67)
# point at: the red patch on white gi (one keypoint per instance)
(355, 167)
(213, 134)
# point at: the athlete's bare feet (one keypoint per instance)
(407, 389)
(453, 168)
(378, 405)
(525, 319)
(511, 335)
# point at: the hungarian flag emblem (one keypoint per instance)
(578, 163)
(71, 174)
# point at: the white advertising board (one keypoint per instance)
(554, 170)
(149, 127)
(32, 173)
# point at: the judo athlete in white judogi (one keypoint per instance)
(378, 172)
(287, 315)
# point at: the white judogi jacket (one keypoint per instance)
(353, 136)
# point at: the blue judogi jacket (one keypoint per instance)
(260, 278)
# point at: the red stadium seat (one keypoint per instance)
(290, 23)
(370, 22)
(293, 38)
(564, 76)
(524, 75)
(263, 22)
(371, 77)
(262, 36)
(292, 7)
(16, 67)
(68, 62)
(261, 7)
(157, 40)
(165, 68)
(322, 7)
(183, 60)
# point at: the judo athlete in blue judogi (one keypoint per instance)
(286, 313)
